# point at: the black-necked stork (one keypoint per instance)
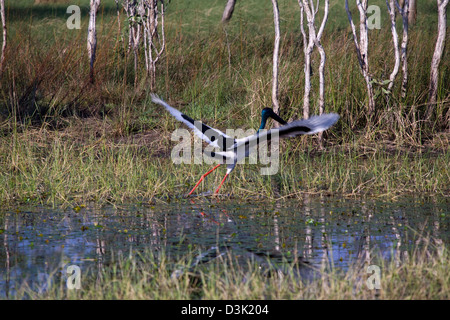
(228, 147)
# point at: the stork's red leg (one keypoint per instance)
(203, 177)
(224, 178)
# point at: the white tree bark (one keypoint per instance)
(276, 50)
(2, 13)
(438, 51)
(404, 11)
(322, 60)
(308, 46)
(144, 18)
(313, 39)
(228, 12)
(412, 12)
(92, 36)
(362, 48)
(135, 12)
(391, 10)
(154, 39)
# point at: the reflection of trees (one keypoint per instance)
(364, 253)
(437, 236)
(276, 230)
(307, 247)
(398, 237)
(7, 256)
(259, 228)
(323, 238)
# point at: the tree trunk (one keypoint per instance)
(321, 84)
(307, 66)
(92, 36)
(361, 47)
(2, 13)
(154, 39)
(322, 60)
(391, 9)
(364, 46)
(228, 12)
(313, 39)
(412, 12)
(309, 42)
(276, 50)
(404, 11)
(308, 50)
(306, 96)
(439, 49)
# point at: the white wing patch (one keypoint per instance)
(313, 125)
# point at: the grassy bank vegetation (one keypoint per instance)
(423, 275)
(85, 163)
(64, 140)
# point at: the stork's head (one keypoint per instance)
(265, 114)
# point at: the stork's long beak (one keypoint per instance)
(276, 117)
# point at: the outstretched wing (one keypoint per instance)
(312, 125)
(213, 136)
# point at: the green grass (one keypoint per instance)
(63, 139)
(420, 274)
(86, 162)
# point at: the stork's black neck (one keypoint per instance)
(265, 114)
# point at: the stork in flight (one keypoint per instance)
(228, 147)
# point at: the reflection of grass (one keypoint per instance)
(422, 275)
(62, 138)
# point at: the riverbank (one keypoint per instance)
(89, 161)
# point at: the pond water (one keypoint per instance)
(36, 241)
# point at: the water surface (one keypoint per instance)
(37, 241)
